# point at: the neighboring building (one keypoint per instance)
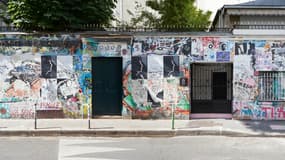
(248, 18)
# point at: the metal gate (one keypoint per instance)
(211, 87)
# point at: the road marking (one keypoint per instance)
(80, 149)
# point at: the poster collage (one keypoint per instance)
(53, 72)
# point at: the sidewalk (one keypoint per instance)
(141, 128)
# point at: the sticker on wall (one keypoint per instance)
(49, 66)
(171, 66)
(223, 57)
(155, 66)
(64, 67)
(139, 67)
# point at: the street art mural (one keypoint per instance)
(38, 72)
(53, 73)
(153, 88)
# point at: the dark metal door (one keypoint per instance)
(211, 88)
(219, 87)
(106, 85)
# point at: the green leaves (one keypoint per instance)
(180, 13)
(59, 15)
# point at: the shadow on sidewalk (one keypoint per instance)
(49, 127)
(265, 125)
(102, 128)
(202, 123)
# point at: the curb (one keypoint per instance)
(132, 133)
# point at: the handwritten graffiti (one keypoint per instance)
(22, 110)
(258, 110)
(41, 105)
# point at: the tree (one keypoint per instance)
(58, 15)
(142, 16)
(3, 12)
(174, 13)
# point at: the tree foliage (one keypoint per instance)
(3, 12)
(173, 13)
(54, 15)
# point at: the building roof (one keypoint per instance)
(259, 4)
(264, 3)
(253, 7)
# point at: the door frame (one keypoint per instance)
(210, 115)
(121, 91)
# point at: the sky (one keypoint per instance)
(214, 5)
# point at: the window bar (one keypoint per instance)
(261, 80)
(268, 87)
(265, 84)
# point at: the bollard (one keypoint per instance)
(35, 116)
(89, 123)
(172, 117)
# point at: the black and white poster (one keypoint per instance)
(171, 66)
(155, 66)
(49, 66)
(139, 67)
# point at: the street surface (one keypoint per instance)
(180, 148)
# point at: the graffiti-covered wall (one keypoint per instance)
(52, 73)
(159, 77)
(42, 72)
(161, 72)
(259, 79)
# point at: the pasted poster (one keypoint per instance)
(223, 57)
(155, 93)
(171, 66)
(245, 83)
(139, 92)
(139, 67)
(49, 66)
(64, 67)
(137, 49)
(155, 66)
(49, 94)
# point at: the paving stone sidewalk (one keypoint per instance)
(142, 128)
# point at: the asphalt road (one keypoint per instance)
(177, 148)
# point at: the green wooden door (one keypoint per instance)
(106, 85)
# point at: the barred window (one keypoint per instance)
(271, 86)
